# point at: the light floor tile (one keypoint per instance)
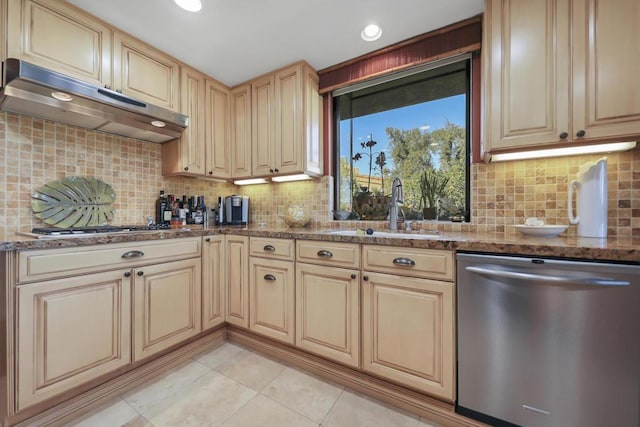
(352, 410)
(264, 412)
(252, 370)
(303, 393)
(219, 355)
(208, 401)
(139, 421)
(150, 393)
(426, 423)
(117, 413)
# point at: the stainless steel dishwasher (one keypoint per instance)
(545, 342)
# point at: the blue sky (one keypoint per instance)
(432, 114)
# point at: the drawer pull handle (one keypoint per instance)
(270, 277)
(325, 254)
(405, 262)
(132, 254)
(269, 248)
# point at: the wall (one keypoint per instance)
(34, 152)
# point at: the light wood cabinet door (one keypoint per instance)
(217, 130)
(241, 131)
(408, 332)
(263, 121)
(272, 303)
(237, 267)
(527, 68)
(167, 305)
(70, 331)
(213, 281)
(606, 66)
(60, 37)
(145, 73)
(297, 147)
(328, 312)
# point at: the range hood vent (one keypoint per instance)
(28, 90)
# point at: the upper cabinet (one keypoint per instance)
(286, 118)
(59, 37)
(560, 71)
(217, 130)
(145, 73)
(241, 131)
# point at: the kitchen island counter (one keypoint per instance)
(624, 249)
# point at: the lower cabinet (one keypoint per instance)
(408, 331)
(272, 303)
(167, 306)
(237, 267)
(213, 281)
(328, 312)
(70, 331)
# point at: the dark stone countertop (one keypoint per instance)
(610, 249)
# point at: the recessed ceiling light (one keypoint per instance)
(189, 5)
(158, 123)
(62, 96)
(371, 32)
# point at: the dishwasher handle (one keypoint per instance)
(521, 275)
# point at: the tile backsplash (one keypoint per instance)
(34, 152)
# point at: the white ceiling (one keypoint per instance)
(236, 40)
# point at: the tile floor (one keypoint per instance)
(231, 386)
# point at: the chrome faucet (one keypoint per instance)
(397, 196)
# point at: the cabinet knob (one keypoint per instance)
(127, 274)
(564, 135)
(277, 170)
(271, 170)
(365, 278)
(140, 273)
(581, 133)
(186, 168)
(208, 239)
(270, 277)
(210, 172)
(119, 90)
(353, 276)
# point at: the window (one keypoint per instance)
(414, 125)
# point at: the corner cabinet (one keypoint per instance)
(237, 267)
(60, 37)
(214, 274)
(560, 72)
(241, 131)
(286, 123)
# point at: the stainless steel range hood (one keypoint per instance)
(30, 90)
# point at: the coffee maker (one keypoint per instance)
(236, 210)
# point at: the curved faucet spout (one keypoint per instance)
(397, 196)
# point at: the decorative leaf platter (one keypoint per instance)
(74, 201)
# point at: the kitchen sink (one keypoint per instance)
(399, 234)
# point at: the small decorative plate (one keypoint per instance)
(541, 230)
(74, 201)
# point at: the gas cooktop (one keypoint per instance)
(43, 232)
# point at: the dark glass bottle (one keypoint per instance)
(161, 205)
(168, 210)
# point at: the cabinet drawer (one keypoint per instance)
(429, 263)
(328, 253)
(266, 247)
(49, 263)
